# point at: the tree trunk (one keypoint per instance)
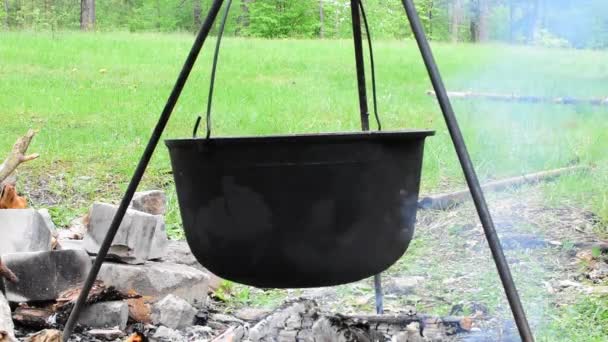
(196, 14)
(511, 21)
(538, 21)
(6, 18)
(479, 21)
(244, 19)
(484, 12)
(321, 20)
(457, 14)
(87, 15)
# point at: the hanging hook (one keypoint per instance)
(372, 64)
(213, 71)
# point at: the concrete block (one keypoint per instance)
(44, 275)
(156, 279)
(23, 230)
(135, 240)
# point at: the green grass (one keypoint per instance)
(95, 99)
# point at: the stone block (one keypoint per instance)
(156, 280)
(70, 244)
(7, 328)
(48, 220)
(135, 240)
(105, 315)
(152, 202)
(44, 275)
(173, 312)
(160, 242)
(23, 230)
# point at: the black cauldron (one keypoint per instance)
(297, 211)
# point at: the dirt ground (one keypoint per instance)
(554, 254)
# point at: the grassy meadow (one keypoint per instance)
(95, 98)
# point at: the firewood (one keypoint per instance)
(524, 99)
(10, 200)
(34, 318)
(449, 200)
(6, 273)
(99, 293)
(137, 337)
(17, 155)
(48, 335)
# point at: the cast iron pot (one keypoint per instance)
(297, 211)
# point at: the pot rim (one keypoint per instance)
(408, 134)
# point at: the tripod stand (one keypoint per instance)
(450, 119)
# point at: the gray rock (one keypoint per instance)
(105, 315)
(173, 312)
(7, 329)
(152, 202)
(106, 334)
(404, 285)
(157, 280)
(71, 244)
(251, 314)
(164, 334)
(134, 241)
(159, 241)
(198, 333)
(44, 275)
(46, 216)
(179, 252)
(23, 230)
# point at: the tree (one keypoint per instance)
(6, 18)
(321, 20)
(456, 19)
(480, 12)
(87, 15)
(196, 14)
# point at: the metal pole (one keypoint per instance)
(470, 175)
(379, 294)
(356, 17)
(360, 63)
(141, 167)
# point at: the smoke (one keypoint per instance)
(513, 138)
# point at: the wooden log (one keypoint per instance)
(34, 318)
(17, 155)
(6, 273)
(449, 200)
(524, 99)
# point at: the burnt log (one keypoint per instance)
(34, 318)
(524, 99)
(449, 200)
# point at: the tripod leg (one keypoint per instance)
(360, 63)
(141, 167)
(379, 294)
(470, 175)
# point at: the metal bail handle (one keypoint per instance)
(213, 71)
(216, 57)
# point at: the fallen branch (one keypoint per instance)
(525, 99)
(17, 155)
(449, 200)
(6, 273)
